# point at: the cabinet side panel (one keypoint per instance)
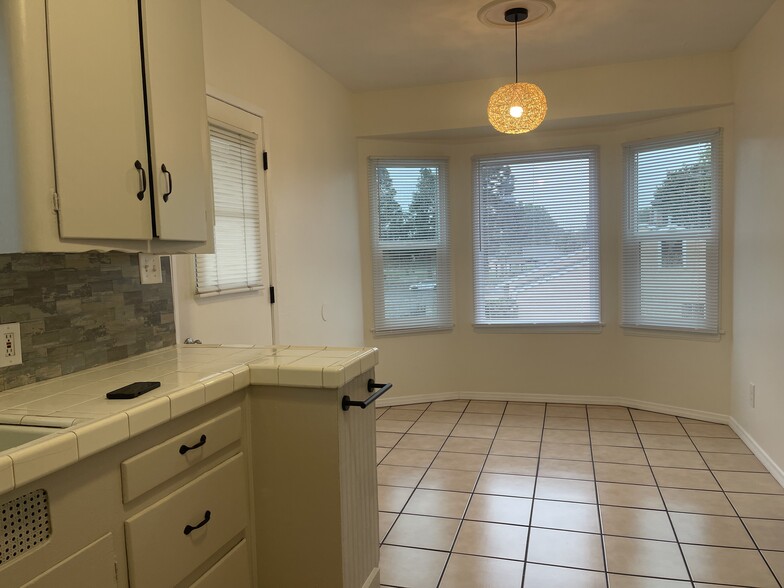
(91, 566)
(98, 118)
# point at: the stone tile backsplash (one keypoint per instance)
(80, 310)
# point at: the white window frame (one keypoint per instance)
(440, 247)
(633, 240)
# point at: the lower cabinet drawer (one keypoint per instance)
(91, 566)
(171, 538)
(232, 571)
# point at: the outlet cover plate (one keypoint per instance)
(150, 268)
(10, 341)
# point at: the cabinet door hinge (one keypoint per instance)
(272, 294)
(264, 161)
(55, 201)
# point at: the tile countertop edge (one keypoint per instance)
(314, 367)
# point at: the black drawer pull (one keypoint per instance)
(171, 183)
(185, 448)
(189, 529)
(142, 177)
(347, 403)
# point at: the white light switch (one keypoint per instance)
(150, 268)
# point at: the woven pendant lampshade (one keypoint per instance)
(519, 107)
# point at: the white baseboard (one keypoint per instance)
(775, 470)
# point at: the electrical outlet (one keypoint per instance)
(150, 268)
(11, 342)
(752, 395)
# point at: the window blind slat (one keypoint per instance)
(536, 239)
(671, 233)
(411, 276)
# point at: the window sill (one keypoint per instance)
(669, 333)
(557, 328)
(411, 331)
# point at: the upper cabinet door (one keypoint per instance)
(98, 119)
(177, 112)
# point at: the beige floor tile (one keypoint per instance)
(499, 509)
(709, 430)
(566, 516)
(775, 560)
(566, 451)
(566, 490)
(697, 501)
(479, 418)
(565, 548)
(468, 571)
(685, 478)
(519, 434)
(562, 410)
(636, 522)
(645, 558)
(393, 498)
(423, 532)
(624, 474)
(615, 439)
(395, 414)
(566, 423)
(481, 431)
(515, 448)
(470, 462)
(506, 485)
(448, 406)
(564, 468)
(733, 462)
(505, 464)
(410, 457)
(645, 415)
(387, 439)
(612, 425)
(437, 503)
(632, 495)
(433, 416)
(748, 482)
(670, 458)
(426, 428)
(710, 530)
(467, 445)
(385, 522)
(524, 408)
(763, 506)
(420, 406)
(387, 426)
(380, 411)
(519, 420)
(426, 442)
(619, 581)
(411, 568)
(486, 406)
(728, 566)
(658, 428)
(539, 576)
(609, 412)
(564, 436)
(768, 534)
(455, 480)
(381, 453)
(667, 442)
(492, 540)
(389, 475)
(716, 445)
(627, 455)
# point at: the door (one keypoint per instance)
(237, 316)
(174, 60)
(98, 123)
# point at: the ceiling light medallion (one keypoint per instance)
(519, 107)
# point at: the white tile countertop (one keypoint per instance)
(190, 376)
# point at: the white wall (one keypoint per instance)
(311, 184)
(758, 347)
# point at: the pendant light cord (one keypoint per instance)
(516, 67)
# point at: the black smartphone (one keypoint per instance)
(132, 390)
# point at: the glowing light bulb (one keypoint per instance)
(516, 111)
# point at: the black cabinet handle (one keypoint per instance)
(189, 528)
(171, 183)
(185, 448)
(143, 176)
(347, 403)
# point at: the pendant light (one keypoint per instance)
(519, 107)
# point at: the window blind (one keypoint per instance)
(671, 233)
(410, 244)
(536, 239)
(236, 264)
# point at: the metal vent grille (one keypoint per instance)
(24, 523)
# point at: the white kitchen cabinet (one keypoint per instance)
(93, 565)
(103, 127)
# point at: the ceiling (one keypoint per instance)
(370, 44)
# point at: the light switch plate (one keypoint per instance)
(10, 345)
(150, 268)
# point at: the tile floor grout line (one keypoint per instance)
(598, 507)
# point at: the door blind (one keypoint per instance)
(236, 264)
(671, 233)
(536, 239)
